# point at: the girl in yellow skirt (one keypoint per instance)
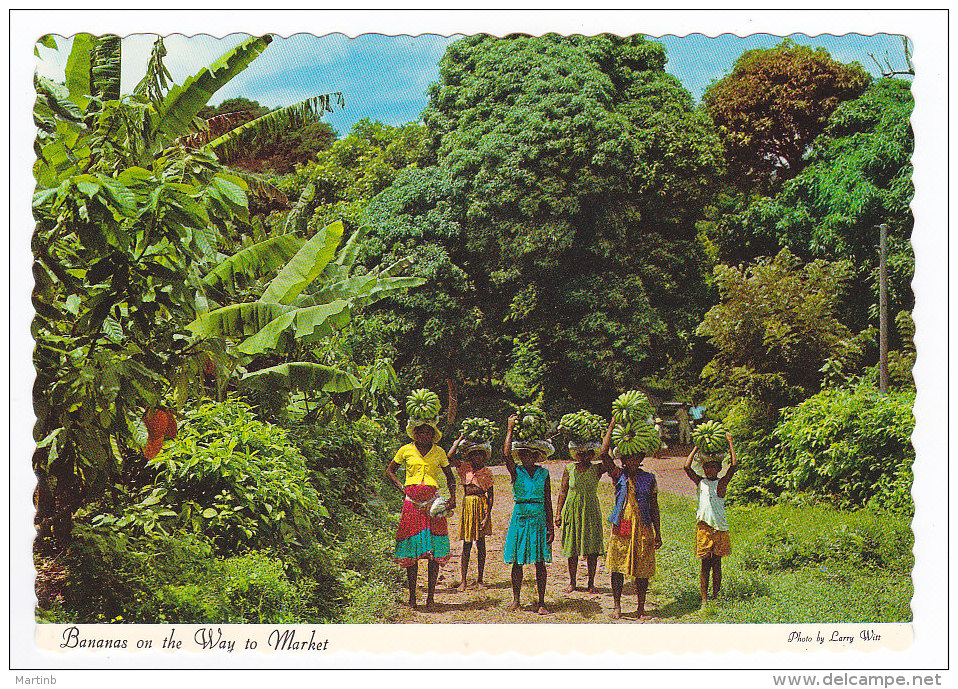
(635, 526)
(475, 522)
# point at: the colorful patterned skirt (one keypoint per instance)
(474, 510)
(632, 550)
(420, 536)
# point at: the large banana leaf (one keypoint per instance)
(183, 103)
(77, 70)
(299, 216)
(157, 77)
(300, 375)
(360, 290)
(54, 97)
(105, 68)
(253, 262)
(271, 124)
(237, 320)
(347, 256)
(305, 266)
(301, 326)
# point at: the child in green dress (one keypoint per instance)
(578, 512)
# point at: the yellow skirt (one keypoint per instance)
(710, 542)
(474, 509)
(632, 555)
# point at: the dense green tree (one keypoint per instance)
(357, 167)
(569, 174)
(773, 105)
(774, 327)
(858, 175)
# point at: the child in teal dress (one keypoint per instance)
(531, 530)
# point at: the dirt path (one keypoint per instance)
(489, 605)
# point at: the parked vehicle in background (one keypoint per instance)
(669, 421)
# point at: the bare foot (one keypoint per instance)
(514, 606)
(542, 610)
(461, 588)
(616, 613)
(592, 589)
(480, 585)
(570, 588)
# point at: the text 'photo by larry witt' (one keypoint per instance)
(325, 309)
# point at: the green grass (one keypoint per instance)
(788, 564)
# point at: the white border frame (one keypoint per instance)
(928, 31)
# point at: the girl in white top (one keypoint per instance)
(712, 541)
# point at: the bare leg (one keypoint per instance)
(573, 564)
(481, 559)
(704, 578)
(593, 561)
(641, 588)
(466, 549)
(541, 587)
(516, 586)
(716, 576)
(433, 575)
(617, 581)
(412, 577)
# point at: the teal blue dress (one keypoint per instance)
(526, 538)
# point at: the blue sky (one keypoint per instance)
(386, 78)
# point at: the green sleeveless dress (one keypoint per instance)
(581, 517)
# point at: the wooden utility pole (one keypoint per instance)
(883, 308)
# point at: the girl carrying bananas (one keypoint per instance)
(475, 522)
(422, 534)
(578, 502)
(531, 530)
(635, 524)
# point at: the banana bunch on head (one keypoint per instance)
(584, 430)
(478, 430)
(634, 432)
(711, 438)
(630, 407)
(423, 404)
(532, 425)
(531, 431)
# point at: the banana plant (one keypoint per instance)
(312, 296)
(75, 118)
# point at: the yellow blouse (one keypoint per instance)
(419, 469)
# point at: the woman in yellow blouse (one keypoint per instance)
(422, 535)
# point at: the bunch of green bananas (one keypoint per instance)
(582, 426)
(423, 404)
(637, 437)
(711, 437)
(533, 423)
(631, 407)
(478, 430)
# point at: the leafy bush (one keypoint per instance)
(237, 480)
(109, 576)
(250, 588)
(848, 447)
(368, 575)
(851, 445)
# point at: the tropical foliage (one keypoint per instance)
(231, 302)
(773, 105)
